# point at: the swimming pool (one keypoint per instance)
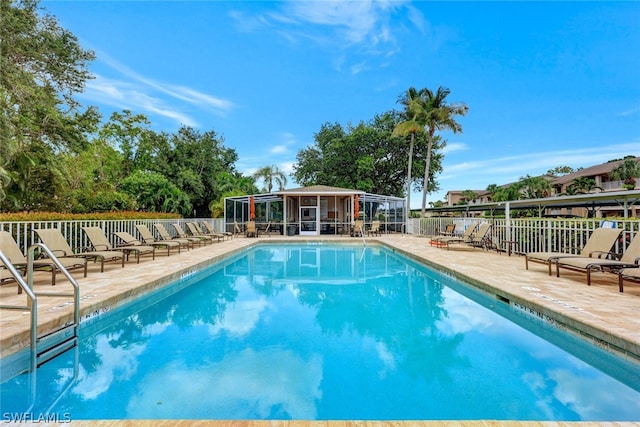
(326, 332)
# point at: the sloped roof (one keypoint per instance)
(318, 189)
(314, 190)
(621, 199)
(602, 169)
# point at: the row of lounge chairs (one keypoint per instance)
(101, 249)
(595, 256)
(476, 235)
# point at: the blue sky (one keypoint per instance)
(546, 83)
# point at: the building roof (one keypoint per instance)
(596, 170)
(318, 189)
(601, 169)
(623, 199)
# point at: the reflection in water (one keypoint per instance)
(315, 332)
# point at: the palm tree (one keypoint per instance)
(469, 196)
(269, 174)
(535, 187)
(411, 126)
(627, 171)
(505, 194)
(493, 189)
(581, 185)
(437, 115)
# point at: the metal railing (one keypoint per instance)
(53, 346)
(534, 234)
(31, 307)
(25, 236)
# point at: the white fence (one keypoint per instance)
(523, 235)
(24, 231)
(533, 235)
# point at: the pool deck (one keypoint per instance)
(599, 312)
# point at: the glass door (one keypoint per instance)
(309, 221)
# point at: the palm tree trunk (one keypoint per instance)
(408, 214)
(426, 174)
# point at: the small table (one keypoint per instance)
(510, 246)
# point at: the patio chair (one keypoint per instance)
(466, 237)
(375, 228)
(132, 242)
(252, 230)
(449, 230)
(632, 274)
(200, 240)
(147, 237)
(358, 229)
(10, 248)
(482, 237)
(53, 239)
(165, 236)
(269, 229)
(479, 238)
(196, 231)
(100, 242)
(629, 259)
(209, 229)
(599, 243)
(6, 275)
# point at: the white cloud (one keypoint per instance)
(630, 112)
(132, 91)
(454, 146)
(279, 149)
(241, 317)
(464, 315)
(279, 154)
(247, 384)
(114, 363)
(537, 163)
(479, 174)
(338, 26)
(588, 396)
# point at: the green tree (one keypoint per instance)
(155, 193)
(437, 115)
(560, 170)
(493, 189)
(367, 157)
(231, 184)
(192, 160)
(125, 131)
(511, 192)
(90, 178)
(42, 68)
(469, 196)
(535, 187)
(581, 185)
(312, 163)
(269, 174)
(627, 172)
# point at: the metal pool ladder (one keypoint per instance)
(53, 343)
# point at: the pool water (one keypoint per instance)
(319, 332)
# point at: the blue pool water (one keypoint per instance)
(325, 332)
